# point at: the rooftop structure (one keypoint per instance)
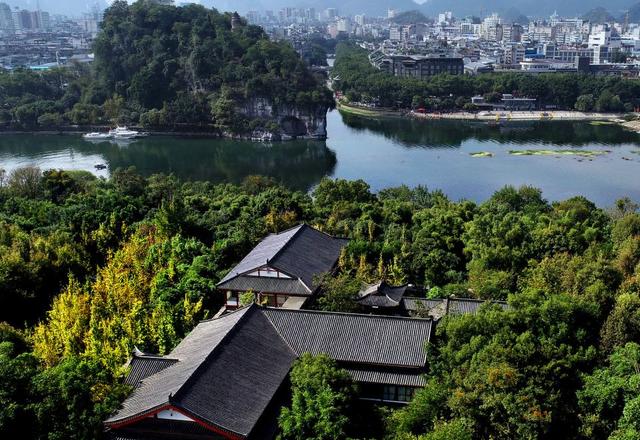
(283, 265)
(226, 378)
(507, 102)
(381, 296)
(440, 307)
(419, 66)
(396, 300)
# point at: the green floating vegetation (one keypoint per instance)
(602, 123)
(581, 153)
(481, 154)
(634, 151)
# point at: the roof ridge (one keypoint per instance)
(279, 332)
(208, 357)
(458, 298)
(231, 312)
(324, 312)
(155, 357)
(288, 229)
(300, 227)
(497, 301)
(231, 275)
(423, 298)
(268, 262)
(327, 234)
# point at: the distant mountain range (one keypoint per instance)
(598, 15)
(535, 8)
(372, 8)
(460, 8)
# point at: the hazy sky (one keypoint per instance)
(370, 7)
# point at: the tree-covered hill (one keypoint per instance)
(164, 66)
(190, 56)
(598, 15)
(153, 54)
(410, 17)
(632, 15)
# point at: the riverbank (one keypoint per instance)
(632, 125)
(80, 130)
(506, 116)
(491, 116)
(369, 112)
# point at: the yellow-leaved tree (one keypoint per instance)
(66, 325)
(124, 307)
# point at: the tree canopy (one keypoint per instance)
(91, 268)
(321, 400)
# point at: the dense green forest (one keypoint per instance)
(361, 82)
(166, 66)
(91, 267)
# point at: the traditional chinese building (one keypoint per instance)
(229, 377)
(385, 299)
(283, 267)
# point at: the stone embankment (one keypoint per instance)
(554, 115)
(632, 125)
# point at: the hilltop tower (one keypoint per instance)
(236, 21)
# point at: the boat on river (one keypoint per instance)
(96, 136)
(118, 133)
(125, 133)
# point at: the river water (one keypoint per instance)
(384, 153)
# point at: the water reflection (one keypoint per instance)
(452, 134)
(384, 153)
(299, 164)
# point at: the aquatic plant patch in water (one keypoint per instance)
(582, 153)
(481, 154)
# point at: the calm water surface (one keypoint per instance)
(382, 152)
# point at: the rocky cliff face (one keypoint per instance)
(296, 123)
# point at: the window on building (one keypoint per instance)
(268, 300)
(405, 394)
(394, 393)
(389, 392)
(232, 299)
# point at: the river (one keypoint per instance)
(384, 153)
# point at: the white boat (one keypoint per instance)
(125, 133)
(97, 136)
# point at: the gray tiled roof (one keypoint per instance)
(301, 252)
(263, 252)
(141, 367)
(241, 378)
(458, 306)
(348, 337)
(381, 295)
(412, 303)
(437, 308)
(267, 285)
(410, 379)
(228, 369)
(154, 391)
(309, 253)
